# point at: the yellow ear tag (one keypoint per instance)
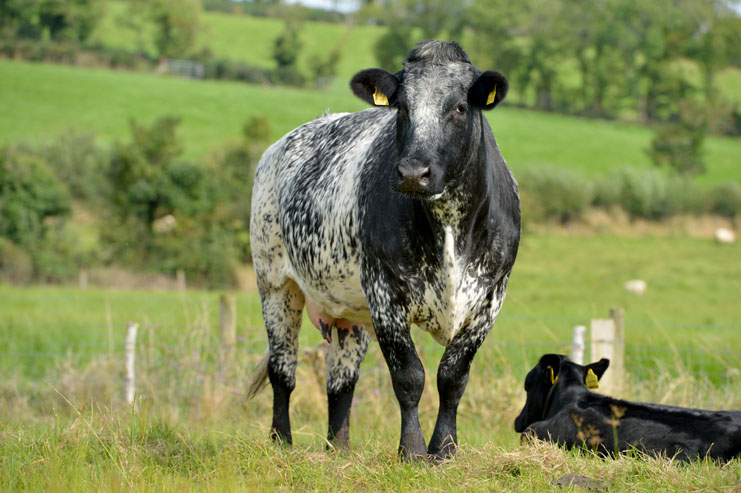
(492, 94)
(553, 379)
(592, 381)
(380, 99)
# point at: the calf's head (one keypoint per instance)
(555, 370)
(438, 98)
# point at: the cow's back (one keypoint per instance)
(304, 222)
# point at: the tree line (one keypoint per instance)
(598, 58)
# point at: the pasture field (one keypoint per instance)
(41, 101)
(63, 424)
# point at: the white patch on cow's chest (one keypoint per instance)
(457, 301)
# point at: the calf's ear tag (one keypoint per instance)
(554, 379)
(379, 98)
(490, 99)
(592, 381)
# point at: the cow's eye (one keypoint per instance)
(461, 108)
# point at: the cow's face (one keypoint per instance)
(438, 99)
(552, 370)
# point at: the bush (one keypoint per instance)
(649, 193)
(15, 264)
(30, 195)
(79, 163)
(550, 194)
(725, 199)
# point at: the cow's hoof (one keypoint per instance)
(414, 450)
(442, 456)
(280, 438)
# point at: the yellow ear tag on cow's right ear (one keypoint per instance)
(554, 379)
(379, 98)
(490, 100)
(592, 381)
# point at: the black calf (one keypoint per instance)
(560, 408)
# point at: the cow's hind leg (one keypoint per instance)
(452, 377)
(281, 309)
(349, 343)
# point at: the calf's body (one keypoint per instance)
(397, 215)
(560, 408)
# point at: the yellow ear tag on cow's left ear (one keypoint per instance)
(379, 98)
(553, 378)
(592, 381)
(492, 95)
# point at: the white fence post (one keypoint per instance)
(607, 342)
(130, 352)
(577, 344)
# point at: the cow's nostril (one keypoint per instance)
(425, 173)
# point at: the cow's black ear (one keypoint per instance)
(550, 367)
(488, 91)
(375, 86)
(599, 368)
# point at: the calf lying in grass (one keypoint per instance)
(561, 408)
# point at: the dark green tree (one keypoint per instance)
(286, 50)
(177, 24)
(148, 178)
(678, 143)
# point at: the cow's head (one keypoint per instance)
(555, 370)
(438, 98)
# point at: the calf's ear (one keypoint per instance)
(550, 366)
(594, 371)
(375, 86)
(488, 91)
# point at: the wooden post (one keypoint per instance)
(130, 352)
(227, 329)
(617, 364)
(82, 278)
(180, 279)
(577, 344)
(603, 339)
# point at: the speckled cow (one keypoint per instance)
(397, 215)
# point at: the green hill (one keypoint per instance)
(39, 101)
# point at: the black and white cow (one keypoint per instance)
(560, 408)
(397, 215)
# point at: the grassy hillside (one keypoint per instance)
(251, 39)
(39, 101)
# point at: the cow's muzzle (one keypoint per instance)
(414, 177)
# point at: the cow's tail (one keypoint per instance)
(260, 376)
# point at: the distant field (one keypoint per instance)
(40, 101)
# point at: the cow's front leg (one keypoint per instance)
(349, 343)
(452, 377)
(407, 377)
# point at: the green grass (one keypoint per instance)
(692, 303)
(41, 101)
(63, 420)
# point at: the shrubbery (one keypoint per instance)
(141, 205)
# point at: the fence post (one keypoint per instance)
(603, 339)
(608, 342)
(227, 329)
(577, 344)
(130, 352)
(180, 279)
(82, 278)
(617, 314)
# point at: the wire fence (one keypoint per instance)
(31, 346)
